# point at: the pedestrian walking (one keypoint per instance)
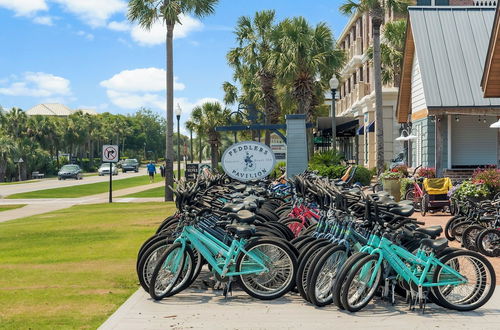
(162, 171)
(151, 171)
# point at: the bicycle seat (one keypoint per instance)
(231, 207)
(243, 216)
(435, 244)
(239, 187)
(243, 231)
(401, 210)
(432, 231)
(405, 202)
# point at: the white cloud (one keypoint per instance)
(86, 35)
(95, 13)
(38, 84)
(131, 89)
(44, 20)
(140, 80)
(157, 34)
(24, 7)
(119, 26)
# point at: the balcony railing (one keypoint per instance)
(360, 90)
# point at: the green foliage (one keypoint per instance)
(332, 172)
(469, 189)
(392, 175)
(362, 175)
(490, 177)
(327, 158)
(276, 173)
(405, 183)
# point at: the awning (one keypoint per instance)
(371, 127)
(361, 130)
(345, 125)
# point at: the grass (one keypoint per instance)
(9, 207)
(84, 189)
(72, 268)
(18, 182)
(153, 192)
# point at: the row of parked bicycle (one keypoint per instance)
(328, 242)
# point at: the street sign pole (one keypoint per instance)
(110, 155)
(111, 182)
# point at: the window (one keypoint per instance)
(355, 77)
(361, 74)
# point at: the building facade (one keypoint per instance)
(440, 97)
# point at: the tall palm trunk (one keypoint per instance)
(377, 19)
(169, 155)
(271, 106)
(200, 149)
(214, 149)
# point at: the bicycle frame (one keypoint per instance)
(393, 254)
(210, 247)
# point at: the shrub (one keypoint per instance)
(391, 175)
(276, 173)
(362, 175)
(403, 169)
(332, 172)
(469, 189)
(490, 177)
(326, 158)
(427, 172)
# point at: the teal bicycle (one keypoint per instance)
(264, 267)
(460, 280)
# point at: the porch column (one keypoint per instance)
(449, 141)
(438, 147)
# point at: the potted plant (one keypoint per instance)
(391, 180)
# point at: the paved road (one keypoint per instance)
(206, 309)
(6, 190)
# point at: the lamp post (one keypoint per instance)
(334, 84)
(408, 137)
(191, 141)
(178, 112)
(19, 167)
(495, 124)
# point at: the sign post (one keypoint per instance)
(110, 155)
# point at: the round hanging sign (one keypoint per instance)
(248, 160)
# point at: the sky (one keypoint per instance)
(85, 54)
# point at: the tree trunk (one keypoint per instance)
(3, 169)
(214, 155)
(377, 19)
(271, 106)
(199, 147)
(169, 154)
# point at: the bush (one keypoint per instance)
(326, 158)
(362, 175)
(276, 173)
(469, 189)
(490, 177)
(332, 172)
(427, 172)
(403, 169)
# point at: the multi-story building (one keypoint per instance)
(356, 95)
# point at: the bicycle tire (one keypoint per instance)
(175, 276)
(146, 265)
(342, 276)
(483, 242)
(304, 267)
(469, 237)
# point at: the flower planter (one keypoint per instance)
(393, 187)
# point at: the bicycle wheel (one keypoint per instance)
(480, 281)
(449, 226)
(281, 264)
(469, 237)
(410, 196)
(304, 267)
(459, 228)
(149, 260)
(358, 291)
(488, 242)
(167, 272)
(323, 275)
(295, 225)
(344, 271)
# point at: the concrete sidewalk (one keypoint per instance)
(39, 206)
(207, 309)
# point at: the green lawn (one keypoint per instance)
(84, 190)
(153, 192)
(11, 207)
(72, 268)
(18, 182)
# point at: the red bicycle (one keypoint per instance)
(301, 217)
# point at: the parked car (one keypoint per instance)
(130, 165)
(71, 171)
(104, 169)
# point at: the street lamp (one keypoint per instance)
(408, 137)
(495, 124)
(178, 112)
(19, 162)
(334, 84)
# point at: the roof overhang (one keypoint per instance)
(491, 73)
(403, 106)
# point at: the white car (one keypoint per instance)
(104, 169)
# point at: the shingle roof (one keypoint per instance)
(451, 45)
(50, 109)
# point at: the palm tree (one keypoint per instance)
(6, 149)
(305, 56)
(249, 59)
(147, 13)
(376, 9)
(207, 117)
